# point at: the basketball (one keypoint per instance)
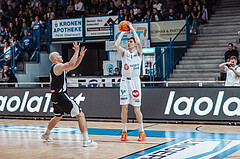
(123, 26)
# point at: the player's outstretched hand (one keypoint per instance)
(130, 26)
(125, 32)
(83, 50)
(76, 46)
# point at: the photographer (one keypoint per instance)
(232, 70)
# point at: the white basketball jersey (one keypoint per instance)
(131, 64)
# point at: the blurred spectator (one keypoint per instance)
(112, 10)
(18, 53)
(12, 31)
(70, 9)
(130, 16)
(102, 7)
(139, 17)
(8, 76)
(156, 16)
(27, 45)
(158, 6)
(147, 17)
(146, 8)
(1, 43)
(121, 15)
(196, 19)
(6, 60)
(50, 13)
(231, 52)
(204, 17)
(117, 72)
(3, 32)
(125, 7)
(232, 70)
(168, 5)
(135, 9)
(186, 13)
(180, 8)
(24, 27)
(117, 3)
(171, 15)
(3, 20)
(190, 5)
(198, 5)
(36, 27)
(31, 4)
(79, 8)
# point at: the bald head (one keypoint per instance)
(53, 57)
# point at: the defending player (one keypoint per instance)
(130, 86)
(62, 103)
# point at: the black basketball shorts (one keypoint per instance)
(62, 103)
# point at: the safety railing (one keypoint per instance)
(114, 84)
(169, 51)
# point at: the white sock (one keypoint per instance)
(141, 127)
(47, 132)
(124, 126)
(85, 136)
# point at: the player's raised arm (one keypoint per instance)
(68, 66)
(138, 43)
(117, 43)
(80, 57)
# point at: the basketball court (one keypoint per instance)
(21, 139)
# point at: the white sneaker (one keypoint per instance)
(89, 143)
(191, 31)
(47, 137)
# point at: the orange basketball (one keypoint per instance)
(123, 26)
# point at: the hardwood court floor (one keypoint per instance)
(21, 139)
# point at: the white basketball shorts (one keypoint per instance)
(130, 91)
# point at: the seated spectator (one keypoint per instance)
(112, 10)
(24, 27)
(117, 3)
(70, 10)
(125, 7)
(146, 8)
(186, 13)
(204, 17)
(196, 20)
(8, 76)
(36, 27)
(147, 17)
(117, 72)
(6, 60)
(139, 17)
(3, 32)
(199, 6)
(130, 16)
(231, 52)
(158, 6)
(135, 9)
(181, 5)
(102, 7)
(156, 16)
(18, 53)
(168, 5)
(232, 70)
(1, 43)
(171, 15)
(121, 15)
(50, 12)
(79, 8)
(3, 20)
(27, 45)
(12, 31)
(190, 5)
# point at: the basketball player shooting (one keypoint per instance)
(62, 103)
(130, 86)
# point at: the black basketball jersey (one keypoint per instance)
(58, 83)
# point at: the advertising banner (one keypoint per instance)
(66, 28)
(186, 104)
(162, 31)
(98, 26)
(141, 29)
